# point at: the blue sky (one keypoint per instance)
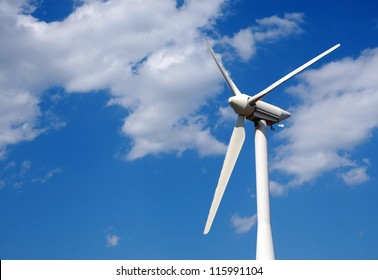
(114, 124)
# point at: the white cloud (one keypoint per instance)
(150, 57)
(337, 113)
(243, 224)
(112, 240)
(19, 112)
(266, 30)
(18, 175)
(243, 42)
(225, 115)
(277, 189)
(47, 176)
(128, 47)
(355, 176)
(273, 28)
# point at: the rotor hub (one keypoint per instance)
(240, 105)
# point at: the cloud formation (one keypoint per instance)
(126, 47)
(15, 175)
(337, 113)
(151, 59)
(112, 240)
(243, 224)
(265, 30)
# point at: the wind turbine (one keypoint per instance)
(262, 114)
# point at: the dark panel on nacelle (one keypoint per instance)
(265, 111)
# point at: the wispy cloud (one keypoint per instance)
(337, 113)
(277, 189)
(243, 224)
(226, 114)
(355, 176)
(47, 176)
(265, 30)
(17, 175)
(271, 29)
(112, 240)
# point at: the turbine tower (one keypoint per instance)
(262, 114)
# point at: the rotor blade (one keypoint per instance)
(234, 147)
(258, 96)
(224, 72)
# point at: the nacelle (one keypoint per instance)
(265, 111)
(259, 110)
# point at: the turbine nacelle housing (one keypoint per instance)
(258, 110)
(265, 111)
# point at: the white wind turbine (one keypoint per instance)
(262, 114)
